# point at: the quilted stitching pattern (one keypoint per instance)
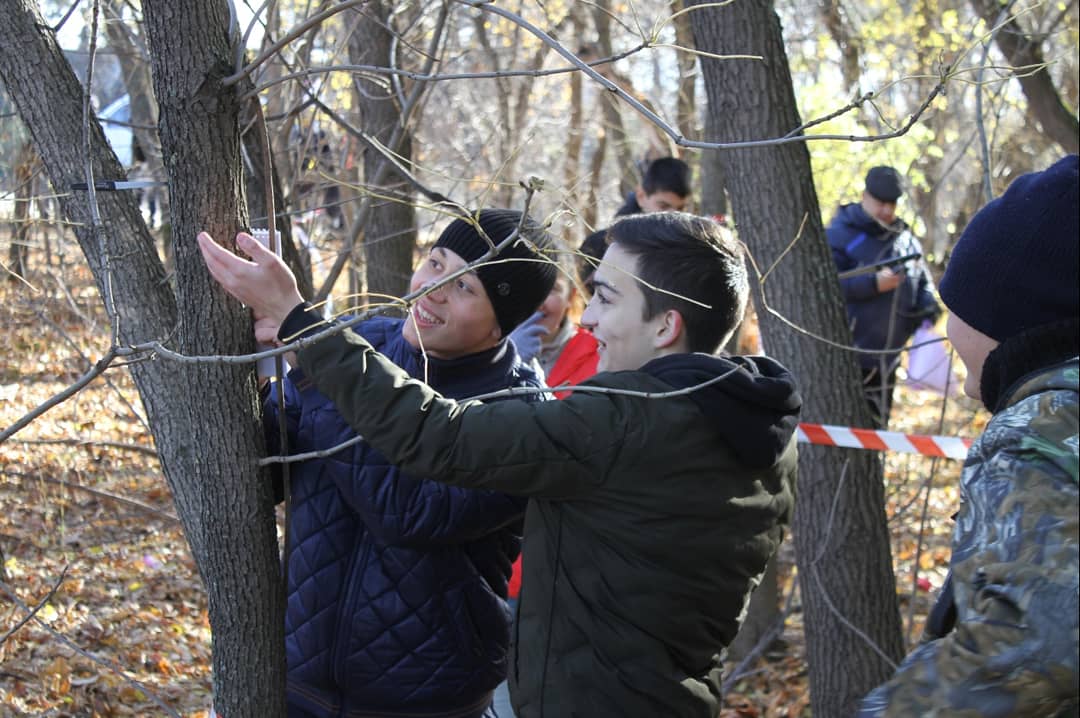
(396, 583)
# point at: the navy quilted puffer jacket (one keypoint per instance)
(396, 584)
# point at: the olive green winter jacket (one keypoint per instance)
(650, 519)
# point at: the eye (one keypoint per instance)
(464, 286)
(434, 263)
(600, 297)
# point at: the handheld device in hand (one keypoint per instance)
(873, 268)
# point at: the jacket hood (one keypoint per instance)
(755, 406)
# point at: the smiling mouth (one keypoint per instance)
(424, 318)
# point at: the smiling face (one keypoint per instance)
(615, 315)
(454, 320)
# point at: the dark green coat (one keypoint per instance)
(650, 520)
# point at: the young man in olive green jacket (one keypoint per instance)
(657, 495)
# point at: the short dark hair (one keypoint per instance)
(589, 255)
(667, 174)
(684, 255)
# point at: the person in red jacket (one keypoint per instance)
(553, 339)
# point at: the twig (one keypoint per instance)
(296, 32)
(146, 450)
(86, 654)
(383, 168)
(654, 119)
(60, 397)
(95, 492)
(518, 391)
(40, 605)
(71, 342)
(812, 570)
(440, 77)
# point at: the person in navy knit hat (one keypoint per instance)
(397, 584)
(1002, 637)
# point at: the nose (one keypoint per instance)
(435, 295)
(587, 319)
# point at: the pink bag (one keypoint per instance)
(929, 366)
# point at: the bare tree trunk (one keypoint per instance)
(686, 103)
(131, 53)
(390, 232)
(841, 538)
(848, 42)
(203, 416)
(1023, 51)
(614, 127)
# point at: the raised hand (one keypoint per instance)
(528, 337)
(264, 283)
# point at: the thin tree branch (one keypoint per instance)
(95, 371)
(40, 605)
(86, 654)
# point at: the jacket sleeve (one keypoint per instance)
(401, 509)
(545, 449)
(857, 288)
(397, 508)
(1013, 651)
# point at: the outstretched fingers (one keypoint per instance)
(264, 283)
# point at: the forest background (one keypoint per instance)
(126, 531)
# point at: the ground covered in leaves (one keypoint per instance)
(102, 612)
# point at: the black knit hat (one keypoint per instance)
(884, 183)
(518, 279)
(1017, 265)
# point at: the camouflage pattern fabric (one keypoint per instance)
(1015, 567)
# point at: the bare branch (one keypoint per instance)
(86, 654)
(62, 396)
(40, 605)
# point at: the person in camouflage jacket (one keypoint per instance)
(1003, 637)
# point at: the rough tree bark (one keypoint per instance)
(841, 538)
(204, 417)
(390, 232)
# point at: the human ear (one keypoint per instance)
(670, 330)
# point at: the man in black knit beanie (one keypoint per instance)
(1002, 639)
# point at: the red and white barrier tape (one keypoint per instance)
(949, 447)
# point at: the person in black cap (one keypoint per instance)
(397, 584)
(885, 303)
(1002, 637)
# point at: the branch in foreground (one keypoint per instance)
(40, 605)
(86, 654)
(95, 371)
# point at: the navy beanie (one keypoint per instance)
(1016, 265)
(517, 280)
(884, 183)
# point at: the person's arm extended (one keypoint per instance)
(1013, 651)
(549, 449)
(544, 449)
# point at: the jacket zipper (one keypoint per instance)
(344, 624)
